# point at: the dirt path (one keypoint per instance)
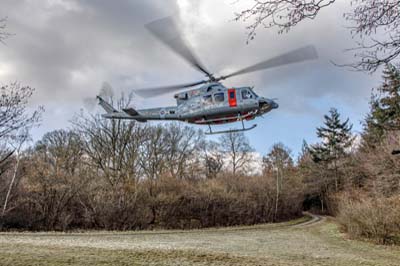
(315, 218)
(315, 242)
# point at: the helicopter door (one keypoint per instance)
(232, 98)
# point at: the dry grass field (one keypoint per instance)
(319, 243)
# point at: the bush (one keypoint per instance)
(372, 217)
(167, 202)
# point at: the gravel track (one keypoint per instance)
(315, 218)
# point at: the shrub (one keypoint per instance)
(372, 217)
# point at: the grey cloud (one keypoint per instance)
(91, 40)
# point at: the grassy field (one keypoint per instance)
(318, 243)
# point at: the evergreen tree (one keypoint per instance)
(385, 107)
(336, 138)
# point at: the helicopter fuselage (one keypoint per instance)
(208, 105)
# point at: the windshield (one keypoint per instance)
(247, 93)
(252, 92)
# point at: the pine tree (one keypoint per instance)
(385, 107)
(336, 138)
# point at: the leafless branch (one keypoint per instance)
(375, 23)
(3, 33)
(13, 109)
(283, 14)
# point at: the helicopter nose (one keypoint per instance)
(270, 104)
(262, 101)
(274, 105)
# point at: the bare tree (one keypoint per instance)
(238, 150)
(57, 174)
(15, 124)
(153, 152)
(13, 111)
(278, 162)
(115, 150)
(182, 146)
(212, 158)
(17, 144)
(111, 145)
(377, 20)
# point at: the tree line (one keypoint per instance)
(106, 174)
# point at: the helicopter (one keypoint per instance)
(212, 103)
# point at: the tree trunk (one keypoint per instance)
(336, 176)
(9, 190)
(322, 204)
(277, 195)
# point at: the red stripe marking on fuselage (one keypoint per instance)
(232, 98)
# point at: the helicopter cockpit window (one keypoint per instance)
(246, 95)
(219, 97)
(207, 99)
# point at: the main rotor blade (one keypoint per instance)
(153, 92)
(168, 33)
(295, 56)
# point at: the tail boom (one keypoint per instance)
(112, 113)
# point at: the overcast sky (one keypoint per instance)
(67, 48)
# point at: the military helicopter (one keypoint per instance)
(212, 103)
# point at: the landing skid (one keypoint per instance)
(230, 130)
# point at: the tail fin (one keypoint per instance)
(106, 106)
